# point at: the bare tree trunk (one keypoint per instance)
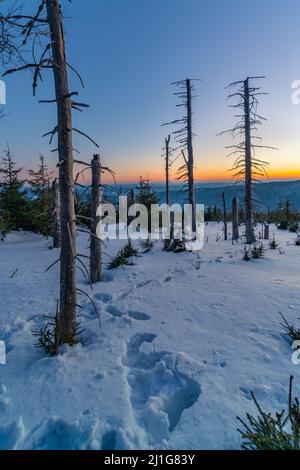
(267, 232)
(225, 217)
(55, 214)
(167, 170)
(250, 237)
(95, 244)
(235, 219)
(192, 200)
(269, 215)
(167, 241)
(66, 181)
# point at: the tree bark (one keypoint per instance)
(95, 244)
(235, 219)
(225, 217)
(67, 308)
(55, 214)
(250, 237)
(190, 151)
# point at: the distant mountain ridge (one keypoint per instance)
(266, 195)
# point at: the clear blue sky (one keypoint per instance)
(129, 51)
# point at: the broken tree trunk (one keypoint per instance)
(68, 288)
(95, 243)
(250, 237)
(225, 217)
(191, 188)
(55, 214)
(235, 219)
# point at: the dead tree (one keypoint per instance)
(42, 30)
(184, 138)
(235, 219)
(95, 242)
(247, 167)
(225, 217)
(267, 232)
(167, 160)
(55, 214)
(66, 178)
(250, 236)
(168, 163)
(190, 162)
(87, 223)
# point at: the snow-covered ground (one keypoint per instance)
(182, 344)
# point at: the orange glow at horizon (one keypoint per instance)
(207, 175)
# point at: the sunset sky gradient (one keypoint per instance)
(129, 51)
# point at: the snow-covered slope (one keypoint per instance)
(182, 344)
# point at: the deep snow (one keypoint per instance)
(182, 343)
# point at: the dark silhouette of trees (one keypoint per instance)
(40, 186)
(13, 201)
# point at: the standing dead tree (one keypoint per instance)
(266, 232)
(88, 224)
(168, 164)
(225, 217)
(66, 182)
(235, 219)
(42, 31)
(95, 242)
(184, 137)
(247, 167)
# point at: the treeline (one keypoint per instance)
(25, 202)
(285, 216)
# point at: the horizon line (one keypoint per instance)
(217, 181)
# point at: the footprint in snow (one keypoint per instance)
(160, 393)
(144, 283)
(114, 311)
(135, 314)
(103, 297)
